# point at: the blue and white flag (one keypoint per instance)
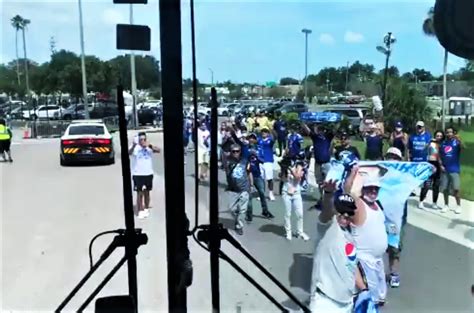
(397, 181)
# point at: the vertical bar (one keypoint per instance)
(214, 242)
(306, 65)
(172, 91)
(133, 79)
(445, 90)
(195, 106)
(83, 63)
(130, 249)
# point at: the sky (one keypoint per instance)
(240, 40)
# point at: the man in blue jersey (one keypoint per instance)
(322, 138)
(295, 142)
(265, 149)
(450, 152)
(418, 149)
(255, 162)
(281, 129)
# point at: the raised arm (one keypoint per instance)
(328, 211)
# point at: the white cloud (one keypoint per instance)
(353, 37)
(113, 17)
(326, 39)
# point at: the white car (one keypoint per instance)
(44, 112)
(86, 141)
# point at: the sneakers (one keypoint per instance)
(434, 206)
(248, 219)
(239, 231)
(444, 209)
(457, 209)
(268, 215)
(303, 236)
(421, 205)
(143, 214)
(394, 280)
(289, 236)
(271, 196)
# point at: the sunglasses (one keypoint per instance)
(345, 214)
(371, 189)
(235, 151)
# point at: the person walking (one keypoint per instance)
(369, 233)
(399, 139)
(450, 153)
(281, 129)
(322, 138)
(142, 172)
(295, 142)
(345, 148)
(291, 194)
(265, 147)
(418, 150)
(435, 160)
(374, 143)
(335, 277)
(255, 163)
(5, 141)
(239, 180)
(203, 147)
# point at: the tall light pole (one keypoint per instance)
(306, 32)
(347, 75)
(83, 63)
(388, 40)
(133, 79)
(212, 76)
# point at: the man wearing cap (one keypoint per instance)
(368, 229)
(374, 143)
(450, 152)
(399, 139)
(418, 144)
(335, 276)
(345, 148)
(239, 180)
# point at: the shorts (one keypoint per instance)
(268, 170)
(450, 180)
(320, 171)
(5, 145)
(394, 252)
(203, 157)
(143, 183)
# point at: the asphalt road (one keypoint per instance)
(49, 214)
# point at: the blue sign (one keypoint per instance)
(320, 117)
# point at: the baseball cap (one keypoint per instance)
(420, 124)
(398, 124)
(371, 182)
(395, 151)
(345, 204)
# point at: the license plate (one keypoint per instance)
(87, 151)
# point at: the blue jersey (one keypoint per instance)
(295, 142)
(255, 167)
(450, 151)
(321, 147)
(265, 149)
(280, 128)
(374, 150)
(418, 146)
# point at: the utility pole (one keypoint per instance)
(212, 76)
(133, 79)
(83, 63)
(347, 76)
(306, 33)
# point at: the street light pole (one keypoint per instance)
(388, 40)
(347, 75)
(83, 63)
(212, 76)
(133, 79)
(306, 33)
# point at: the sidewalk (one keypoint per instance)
(455, 227)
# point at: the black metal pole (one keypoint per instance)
(215, 240)
(131, 250)
(195, 106)
(172, 90)
(385, 76)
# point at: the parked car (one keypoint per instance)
(294, 108)
(149, 115)
(44, 112)
(355, 115)
(104, 109)
(75, 112)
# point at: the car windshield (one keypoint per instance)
(86, 130)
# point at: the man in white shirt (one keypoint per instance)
(141, 153)
(203, 147)
(335, 277)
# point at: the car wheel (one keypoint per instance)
(62, 162)
(112, 161)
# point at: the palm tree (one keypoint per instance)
(429, 30)
(24, 24)
(16, 22)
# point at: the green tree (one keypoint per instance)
(423, 75)
(17, 22)
(289, 81)
(405, 104)
(392, 72)
(147, 70)
(276, 92)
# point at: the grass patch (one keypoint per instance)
(467, 160)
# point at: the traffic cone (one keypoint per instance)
(26, 133)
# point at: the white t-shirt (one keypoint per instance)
(203, 136)
(142, 161)
(334, 262)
